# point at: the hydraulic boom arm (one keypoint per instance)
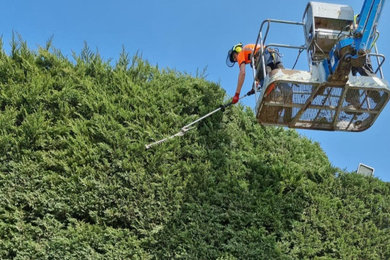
(352, 51)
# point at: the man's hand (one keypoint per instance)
(236, 98)
(251, 92)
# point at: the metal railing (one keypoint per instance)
(261, 41)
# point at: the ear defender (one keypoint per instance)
(237, 48)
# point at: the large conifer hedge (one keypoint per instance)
(76, 181)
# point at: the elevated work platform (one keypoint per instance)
(301, 99)
(328, 96)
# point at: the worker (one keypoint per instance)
(242, 55)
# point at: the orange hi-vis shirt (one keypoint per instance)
(245, 54)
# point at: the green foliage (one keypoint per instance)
(348, 218)
(77, 183)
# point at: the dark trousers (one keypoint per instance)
(272, 61)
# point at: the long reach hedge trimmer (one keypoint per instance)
(188, 127)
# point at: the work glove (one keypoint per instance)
(236, 98)
(251, 92)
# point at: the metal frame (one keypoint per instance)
(262, 41)
(346, 15)
(316, 77)
(351, 123)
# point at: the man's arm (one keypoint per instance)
(241, 78)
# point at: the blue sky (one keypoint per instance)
(189, 36)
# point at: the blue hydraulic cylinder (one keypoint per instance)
(368, 20)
